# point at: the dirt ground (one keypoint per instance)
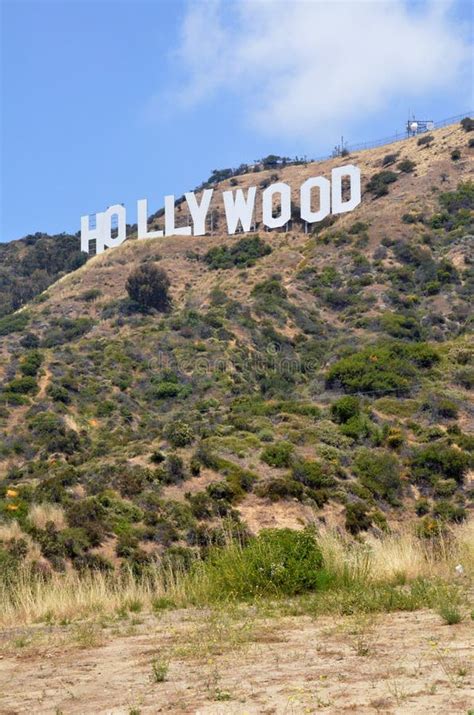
(238, 664)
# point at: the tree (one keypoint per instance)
(148, 286)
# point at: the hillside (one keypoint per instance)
(28, 266)
(326, 381)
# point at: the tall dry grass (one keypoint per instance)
(72, 596)
(400, 556)
(41, 514)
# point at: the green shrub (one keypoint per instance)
(89, 295)
(22, 385)
(242, 254)
(343, 409)
(445, 487)
(357, 517)
(382, 369)
(64, 330)
(357, 428)
(447, 511)
(50, 430)
(312, 474)
(280, 488)
(389, 159)
(358, 227)
(455, 155)
(278, 454)
(422, 507)
(406, 166)
(429, 528)
(31, 363)
(59, 394)
(430, 463)
(401, 326)
(173, 470)
(278, 562)
(148, 286)
(14, 323)
(378, 184)
(451, 615)
(270, 287)
(379, 471)
(425, 140)
(467, 124)
(179, 433)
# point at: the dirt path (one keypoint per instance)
(395, 664)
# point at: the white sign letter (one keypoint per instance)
(199, 211)
(267, 210)
(324, 186)
(142, 212)
(239, 208)
(119, 211)
(90, 234)
(338, 205)
(170, 228)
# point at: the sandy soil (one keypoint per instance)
(234, 664)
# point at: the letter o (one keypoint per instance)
(119, 211)
(267, 205)
(324, 187)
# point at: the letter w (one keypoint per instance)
(239, 208)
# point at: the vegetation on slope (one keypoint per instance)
(337, 387)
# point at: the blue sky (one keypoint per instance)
(110, 101)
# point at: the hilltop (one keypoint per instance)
(317, 377)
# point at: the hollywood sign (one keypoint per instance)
(239, 209)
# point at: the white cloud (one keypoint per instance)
(299, 66)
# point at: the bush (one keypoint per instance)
(389, 159)
(455, 155)
(343, 409)
(148, 286)
(173, 470)
(430, 463)
(379, 471)
(270, 287)
(425, 140)
(242, 254)
(179, 434)
(30, 340)
(467, 124)
(358, 427)
(312, 474)
(278, 454)
(422, 507)
(382, 369)
(89, 295)
(22, 385)
(31, 363)
(64, 330)
(406, 166)
(14, 323)
(58, 394)
(447, 511)
(50, 430)
(278, 562)
(445, 487)
(357, 517)
(280, 488)
(378, 184)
